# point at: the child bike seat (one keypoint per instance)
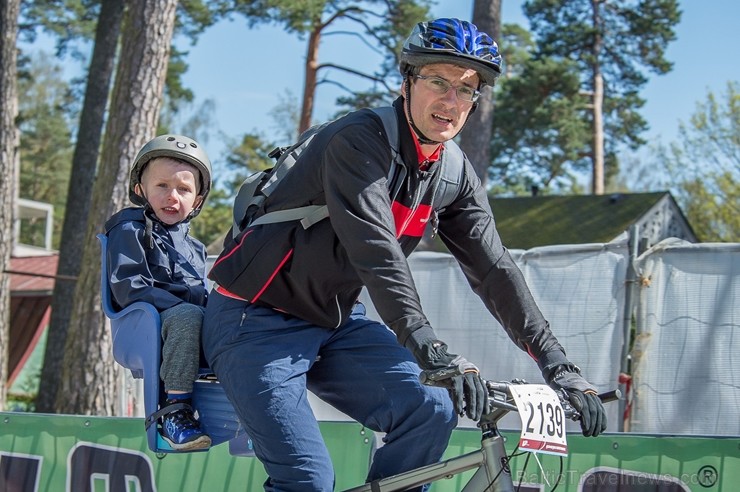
(137, 342)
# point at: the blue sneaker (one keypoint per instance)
(182, 431)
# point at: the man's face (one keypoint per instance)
(171, 187)
(441, 116)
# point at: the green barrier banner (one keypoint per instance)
(619, 463)
(103, 454)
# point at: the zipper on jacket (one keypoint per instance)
(435, 188)
(416, 201)
(339, 310)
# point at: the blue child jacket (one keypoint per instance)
(172, 271)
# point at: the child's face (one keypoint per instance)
(171, 188)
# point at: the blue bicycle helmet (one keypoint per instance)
(452, 41)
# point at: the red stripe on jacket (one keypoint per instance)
(410, 222)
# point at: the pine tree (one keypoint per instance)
(612, 43)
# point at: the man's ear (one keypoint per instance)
(138, 190)
(198, 201)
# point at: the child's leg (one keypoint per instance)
(181, 326)
(181, 347)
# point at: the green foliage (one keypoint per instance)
(516, 45)
(628, 42)
(634, 35)
(703, 167)
(711, 206)
(297, 16)
(249, 156)
(22, 395)
(194, 16)
(46, 119)
(176, 94)
(392, 31)
(68, 21)
(540, 135)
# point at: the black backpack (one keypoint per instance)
(259, 186)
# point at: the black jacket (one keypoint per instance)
(317, 273)
(169, 273)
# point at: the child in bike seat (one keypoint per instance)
(152, 258)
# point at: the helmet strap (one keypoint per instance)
(472, 110)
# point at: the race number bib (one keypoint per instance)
(543, 419)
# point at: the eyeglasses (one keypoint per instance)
(440, 86)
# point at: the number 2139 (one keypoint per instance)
(549, 417)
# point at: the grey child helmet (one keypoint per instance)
(177, 147)
(451, 41)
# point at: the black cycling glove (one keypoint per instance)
(467, 389)
(583, 397)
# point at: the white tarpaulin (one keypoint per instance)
(686, 369)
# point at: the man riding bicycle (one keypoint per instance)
(293, 322)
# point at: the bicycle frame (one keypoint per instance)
(492, 475)
(491, 460)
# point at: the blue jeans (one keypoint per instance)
(266, 362)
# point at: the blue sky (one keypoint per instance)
(247, 73)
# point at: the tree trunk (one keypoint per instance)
(9, 164)
(79, 196)
(598, 103)
(309, 87)
(475, 139)
(89, 375)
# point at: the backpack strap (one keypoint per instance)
(308, 215)
(397, 171)
(390, 122)
(247, 196)
(453, 167)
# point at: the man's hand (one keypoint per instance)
(584, 398)
(467, 389)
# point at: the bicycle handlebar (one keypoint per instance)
(430, 378)
(499, 394)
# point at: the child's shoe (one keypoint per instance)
(182, 431)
